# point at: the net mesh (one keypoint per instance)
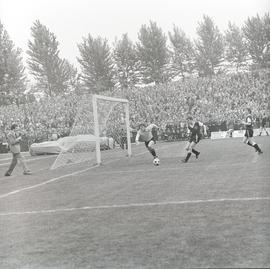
(80, 146)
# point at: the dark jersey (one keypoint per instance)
(195, 131)
(249, 126)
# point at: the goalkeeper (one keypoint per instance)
(145, 135)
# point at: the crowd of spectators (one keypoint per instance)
(40, 120)
(216, 101)
(219, 102)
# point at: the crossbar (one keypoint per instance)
(113, 99)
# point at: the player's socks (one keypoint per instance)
(197, 153)
(187, 157)
(153, 152)
(248, 143)
(257, 148)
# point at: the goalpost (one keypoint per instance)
(95, 99)
(101, 123)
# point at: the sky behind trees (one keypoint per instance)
(70, 20)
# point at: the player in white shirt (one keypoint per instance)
(145, 135)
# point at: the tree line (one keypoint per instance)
(156, 57)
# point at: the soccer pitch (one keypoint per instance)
(213, 212)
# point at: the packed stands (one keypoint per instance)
(219, 102)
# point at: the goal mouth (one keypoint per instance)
(101, 123)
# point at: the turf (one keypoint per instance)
(213, 212)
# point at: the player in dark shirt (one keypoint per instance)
(195, 135)
(248, 137)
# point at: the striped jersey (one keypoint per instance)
(249, 122)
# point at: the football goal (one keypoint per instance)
(101, 124)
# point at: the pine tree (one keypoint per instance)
(209, 47)
(257, 34)
(50, 71)
(236, 52)
(126, 62)
(97, 64)
(73, 83)
(153, 54)
(12, 75)
(182, 53)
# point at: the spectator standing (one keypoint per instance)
(230, 128)
(263, 124)
(14, 138)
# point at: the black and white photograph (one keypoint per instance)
(134, 134)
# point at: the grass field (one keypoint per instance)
(213, 212)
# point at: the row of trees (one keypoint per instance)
(155, 57)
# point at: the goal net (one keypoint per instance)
(101, 123)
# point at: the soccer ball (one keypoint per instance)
(156, 161)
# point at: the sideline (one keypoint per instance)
(134, 205)
(46, 182)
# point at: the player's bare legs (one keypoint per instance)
(151, 149)
(193, 145)
(190, 148)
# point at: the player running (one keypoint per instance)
(195, 135)
(145, 135)
(248, 137)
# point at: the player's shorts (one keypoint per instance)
(147, 143)
(194, 139)
(249, 133)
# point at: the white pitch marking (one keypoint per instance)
(30, 160)
(61, 177)
(109, 172)
(46, 182)
(62, 210)
(57, 178)
(67, 175)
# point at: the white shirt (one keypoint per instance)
(145, 135)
